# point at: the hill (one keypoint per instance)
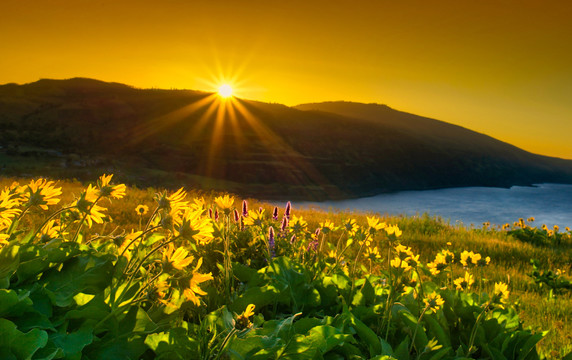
(80, 127)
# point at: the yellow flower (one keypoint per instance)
(464, 283)
(403, 251)
(501, 290)
(128, 244)
(142, 210)
(530, 219)
(433, 301)
(7, 212)
(194, 290)
(41, 193)
(400, 264)
(50, 231)
(254, 218)
(567, 228)
(375, 224)
(393, 230)
(173, 202)
(242, 320)
(85, 204)
(298, 224)
(106, 189)
(469, 258)
(436, 267)
(224, 203)
(372, 253)
(412, 260)
(327, 226)
(351, 226)
(484, 262)
(176, 258)
(193, 225)
(556, 228)
(4, 239)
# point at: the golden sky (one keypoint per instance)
(501, 67)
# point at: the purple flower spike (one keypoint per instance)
(210, 213)
(244, 208)
(292, 239)
(284, 223)
(216, 215)
(271, 242)
(275, 213)
(236, 216)
(288, 210)
(317, 233)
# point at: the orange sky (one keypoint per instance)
(500, 67)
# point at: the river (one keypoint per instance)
(549, 204)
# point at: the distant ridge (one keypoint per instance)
(310, 151)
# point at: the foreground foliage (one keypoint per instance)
(213, 279)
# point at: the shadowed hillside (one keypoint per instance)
(314, 151)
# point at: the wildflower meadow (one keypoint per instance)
(108, 272)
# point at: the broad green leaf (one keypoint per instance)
(9, 262)
(14, 304)
(415, 329)
(434, 329)
(21, 345)
(88, 274)
(325, 338)
(259, 296)
(365, 333)
(73, 343)
(173, 344)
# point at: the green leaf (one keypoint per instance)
(326, 337)
(365, 333)
(173, 344)
(14, 304)
(9, 262)
(88, 274)
(18, 344)
(73, 343)
(259, 296)
(415, 329)
(434, 329)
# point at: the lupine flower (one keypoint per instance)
(235, 216)
(275, 213)
(284, 224)
(210, 213)
(216, 215)
(142, 210)
(292, 239)
(288, 210)
(244, 208)
(433, 301)
(271, 242)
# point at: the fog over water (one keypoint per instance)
(549, 204)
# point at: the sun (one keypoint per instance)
(225, 91)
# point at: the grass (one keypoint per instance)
(510, 257)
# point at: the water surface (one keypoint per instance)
(549, 204)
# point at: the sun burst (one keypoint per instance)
(225, 91)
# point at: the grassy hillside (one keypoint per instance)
(542, 305)
(80, 127)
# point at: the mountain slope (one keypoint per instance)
(312, 151)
